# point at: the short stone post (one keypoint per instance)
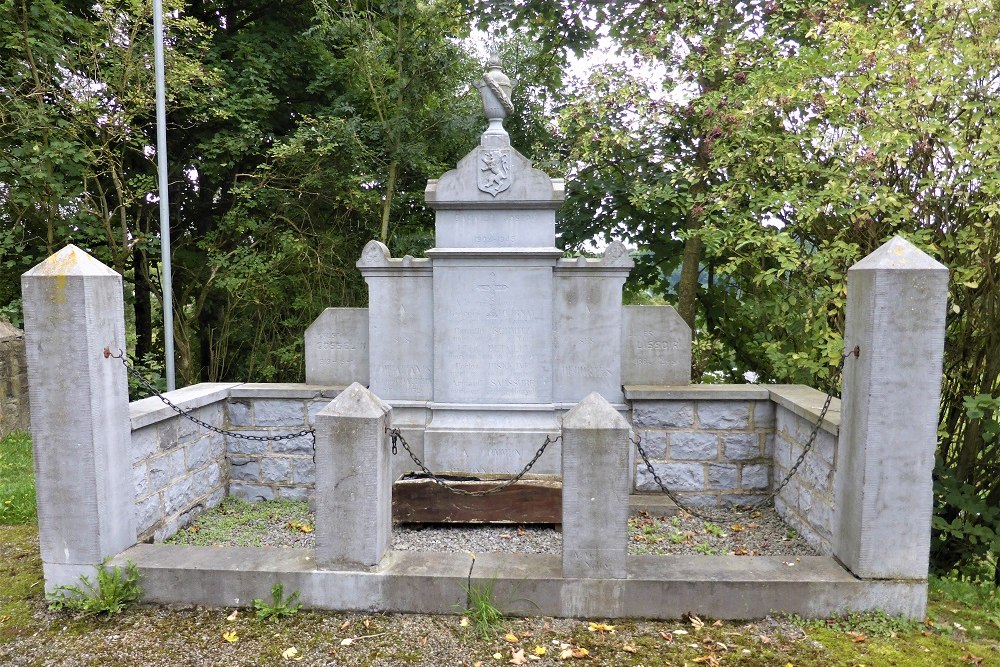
(353, 484)
(80, 429)
(595, 453)
(896, 300)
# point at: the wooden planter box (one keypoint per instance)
(534, 499)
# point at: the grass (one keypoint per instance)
(482, 611)
(17, 480)
(239, 523)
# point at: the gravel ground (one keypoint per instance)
(739, 532)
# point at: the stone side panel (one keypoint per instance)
(265, 470)
(808, 502)
(14, 412)
(711, 451)
(179, 470)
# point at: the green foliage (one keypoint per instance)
(869, 623)
(113, 589)
(243, 523)
(279, 607)
(17, 480)
(481, 609)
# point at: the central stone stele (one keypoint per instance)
(483, 344)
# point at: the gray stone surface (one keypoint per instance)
(807, 403)
(588, 325)
(697, 392)
(693, 446)
(353, 485)
(152, 410)
(726, 587)
(755, 477)
(723, 414)
(741, 446)
(663, 414)
(400, 324)
(279, 412)
(896, 300)
(676, 476)
(656, 346)
(722, 476)
(595, 490)
(337, 347)
(73, 309)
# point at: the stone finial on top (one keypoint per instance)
(495, 88)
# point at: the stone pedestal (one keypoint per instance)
(595, 462)
(896, 301)
(73, 309)
(353, 484)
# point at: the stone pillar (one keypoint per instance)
(73, 309)
(896, 301)
(353, 484)
(595, 453)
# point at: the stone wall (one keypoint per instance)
(711, 444)
(14, 413)
(808, 502)
(277, 468)
(179, 468)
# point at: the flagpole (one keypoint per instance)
(161, 163)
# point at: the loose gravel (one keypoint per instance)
(733, 531)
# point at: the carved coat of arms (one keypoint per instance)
(494, 170)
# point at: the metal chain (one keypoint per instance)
(637, 441)
(396, 435)
(187, 413)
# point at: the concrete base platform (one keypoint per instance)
(727, 587)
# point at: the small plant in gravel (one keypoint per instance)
(112, 590)
(705, 549)
(279, 606)
(713, 529)
(481, 609)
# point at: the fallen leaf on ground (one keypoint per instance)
(230, 636)
(736, 528)
(511, 637)
(667, 636)
(740, 552)
(580, 653)
(717, 624)
(344, 624)
(517, 657)
(857, 637)
(346, 642)
(600, 627)
(539, 650)
(697, 623)
(680, 631)
(630, 648)
(498, 656)
(464, 622)
(232, 616)
(291, 653)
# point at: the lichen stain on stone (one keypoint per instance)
(59, 292)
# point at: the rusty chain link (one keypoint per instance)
(190, 417)
(396, 435)
(637, 441)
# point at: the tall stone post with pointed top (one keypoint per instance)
(896, 301)
(595, 457)
(80, 430)
(353, 485)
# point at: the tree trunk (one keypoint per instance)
(390, 188)
(687, 288)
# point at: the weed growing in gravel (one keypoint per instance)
(713, 529)
(112, 591)
(279, 607)
(481, 609)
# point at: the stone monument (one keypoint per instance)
(481, 346)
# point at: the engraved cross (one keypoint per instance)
(493, 287)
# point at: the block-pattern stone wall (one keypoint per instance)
(709, 449)
(14, 413)
(179, 470)
(807, 503)
(264, 470)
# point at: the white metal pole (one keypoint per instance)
(161, 165)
